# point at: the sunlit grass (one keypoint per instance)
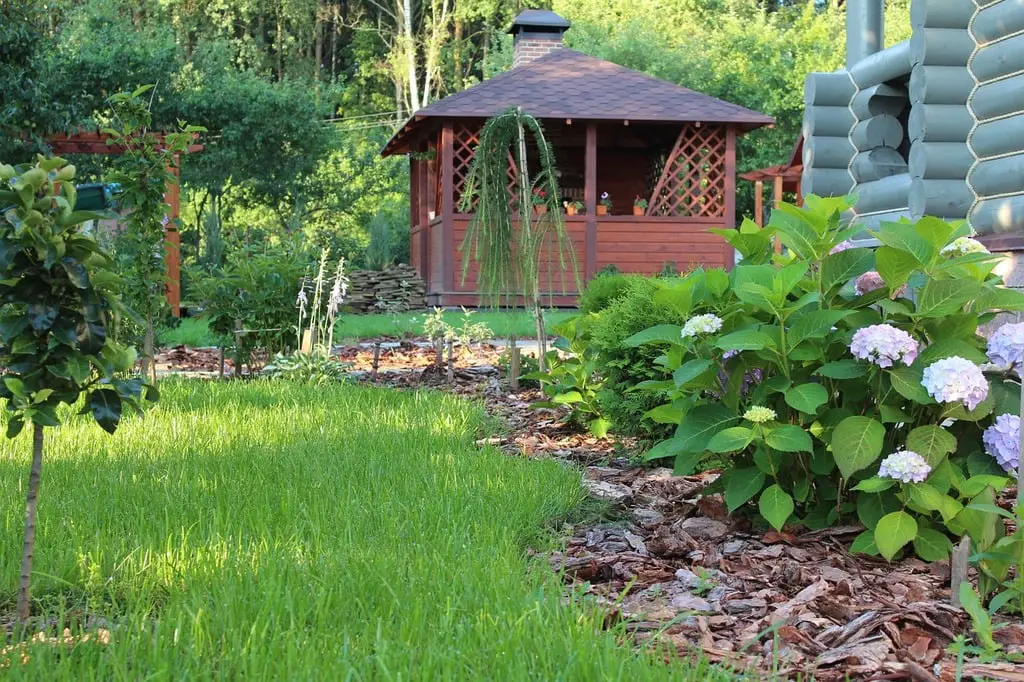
(268, 531)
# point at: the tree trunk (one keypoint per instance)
(318, 40)
(542, 338)
(410, 55)
(25, 580)
(149, 351)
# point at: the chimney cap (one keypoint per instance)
(539, 21)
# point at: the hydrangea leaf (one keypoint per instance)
(856, 444)
(893, 532)
(931, 442)
(776, 506)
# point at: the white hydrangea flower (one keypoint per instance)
(702, 325)
(905, 466)
(955, 380)
(759, 414)
(962, 247)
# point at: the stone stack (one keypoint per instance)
(398, 288)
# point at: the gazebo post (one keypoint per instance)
(448, 207)
(776, 202)
(730, 191)
(590, 200)
(759, 202)
(422, 217)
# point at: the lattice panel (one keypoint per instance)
(693, 181)
(463, 148)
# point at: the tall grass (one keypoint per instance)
(269, 531)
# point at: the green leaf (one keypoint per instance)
(864, 544)
(937, 231)
(798, 236)
(815, 324)
(1000, 298)
(842, 369)
(686, 463)
(948, 347)
(902, 237)
(892, 415)
(599, 427)
(839, 268)
(975, 484)
(789, 438)
(567, 398)
(76, 272)
(979, 524)
(807, 397)
(664, 414)
(662, 333)
(14, 426)
(894, 266)
(931, 545)
(776, 506)
(700, 424)
(741, 487)
(16, 387)
(872, 507)
(41, 316)
(907, 382)
(980, 619)
(931, 442)
(732, 439)
(893, 532)
(690, 370)
(874, 485)
(745, 339)
(670, 447)
(941, 297)
(856, 444)
(105, 405)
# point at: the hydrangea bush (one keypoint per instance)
(844, 383)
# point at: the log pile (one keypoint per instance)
(397, 289)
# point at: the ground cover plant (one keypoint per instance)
(268, 530)
(844, 383)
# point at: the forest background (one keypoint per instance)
(299, 96)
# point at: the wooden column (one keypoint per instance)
(776, 202)
(590, 201)
(172, 239)
(447, 207)
(423, 179)
(730, 192)
(759, 202)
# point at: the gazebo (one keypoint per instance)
(613, 131)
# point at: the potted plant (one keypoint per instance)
(605, 204)
(574, 208)
(539, 199)
(639, 206)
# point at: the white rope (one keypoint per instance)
(849, 138)
(970, 109)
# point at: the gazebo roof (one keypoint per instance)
(566, 84)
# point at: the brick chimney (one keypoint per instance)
(536, 32)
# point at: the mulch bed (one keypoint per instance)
(674, 569)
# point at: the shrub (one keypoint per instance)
(638, 308)
(604, 289)
(834, 393)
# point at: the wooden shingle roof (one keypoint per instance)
(570, 84)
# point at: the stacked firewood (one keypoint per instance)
(399, 288)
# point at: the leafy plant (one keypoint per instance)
(640, 202)
(310, 368)
(572, 379)
(605, 200)
(146, 167)
(603, 289)
(58, 301)
(806, 368)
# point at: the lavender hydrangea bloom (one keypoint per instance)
(702, 324)
(955, 380)
(1002, 441)
(1006, 346)
(883, 345)
(842, 246)
(906, 466)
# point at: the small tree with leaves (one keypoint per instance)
(58, 300)
(505, 236)
(144, 170)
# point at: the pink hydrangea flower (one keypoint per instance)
(884, 345)
(842, 246)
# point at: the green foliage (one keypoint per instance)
(624, 367)
(770, 380)
(571, 378)
(257, 288)
(59, 300)
(317, 369)
(603, 289)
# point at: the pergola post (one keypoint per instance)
(776, 202)
(730, 191)
(448, 206)
(172, 238)
(590, 201)
(759, 202)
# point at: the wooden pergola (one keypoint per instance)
(784, 177)
(91, 142)
(612, 130)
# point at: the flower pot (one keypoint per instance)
(602, 209)
(540, 209)
(570, 210)
(637, 210)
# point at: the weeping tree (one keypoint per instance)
(515, 227)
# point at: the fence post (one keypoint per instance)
(514, 362)
(376, 359)
(238, 348)
(451, 361)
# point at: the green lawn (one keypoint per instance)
(258, 531)
(194, 331)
